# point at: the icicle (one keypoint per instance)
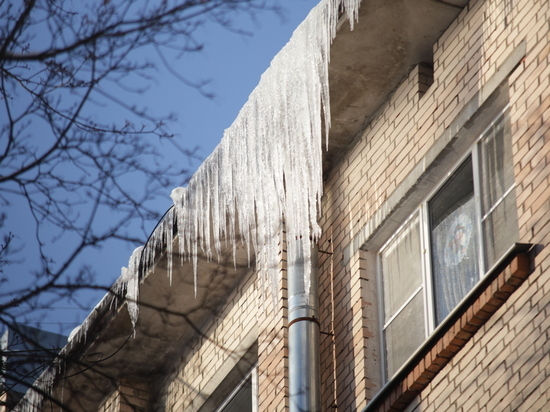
(34, 398)
(265, 173)
(169, 232)
(131, 275)
(266, 170)
(268, 166)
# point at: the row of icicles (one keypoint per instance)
(265, 176)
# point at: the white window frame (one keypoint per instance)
(422, 211)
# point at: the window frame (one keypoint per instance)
(426, 229)
(425, 232)
(252, 374)
(415, 215)
(232, 376)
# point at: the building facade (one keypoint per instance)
(433, 263)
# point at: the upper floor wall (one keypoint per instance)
(493, 55)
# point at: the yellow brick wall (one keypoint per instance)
(250, 314)
(273, 344)
(507, 366)
(224, 340)
(466, 57)
(129, 396)
(354, 192)
(507, 360)
(112, 403)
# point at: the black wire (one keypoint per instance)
(450, 4)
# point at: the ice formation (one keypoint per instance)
(130, 277)
(265, 176)
(32, 401)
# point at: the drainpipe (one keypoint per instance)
(303, 336)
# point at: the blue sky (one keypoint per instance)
(233, 64)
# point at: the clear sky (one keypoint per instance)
(233, 64)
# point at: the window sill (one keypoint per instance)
(455, 331)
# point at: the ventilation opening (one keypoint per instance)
(425, 78)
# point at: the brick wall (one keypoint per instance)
(505, 366)
(250, 314)
(205, 361)
(130, 396)
(112, 403)
(273, 343)
(354, 192)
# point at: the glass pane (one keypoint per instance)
(454, 241)
(241, 400)
(405, 334)
(497, 169)
(401, 267)
(500, 229)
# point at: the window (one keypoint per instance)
(238, 389)
(244, 396)
(443, 250)
(453, 234)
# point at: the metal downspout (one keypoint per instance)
(303, 336)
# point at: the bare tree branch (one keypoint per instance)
(64, 157)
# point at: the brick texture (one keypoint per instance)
(129, 396)
(198, 371)
(496, 355)
(503, 364)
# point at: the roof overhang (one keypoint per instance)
(368, 63)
